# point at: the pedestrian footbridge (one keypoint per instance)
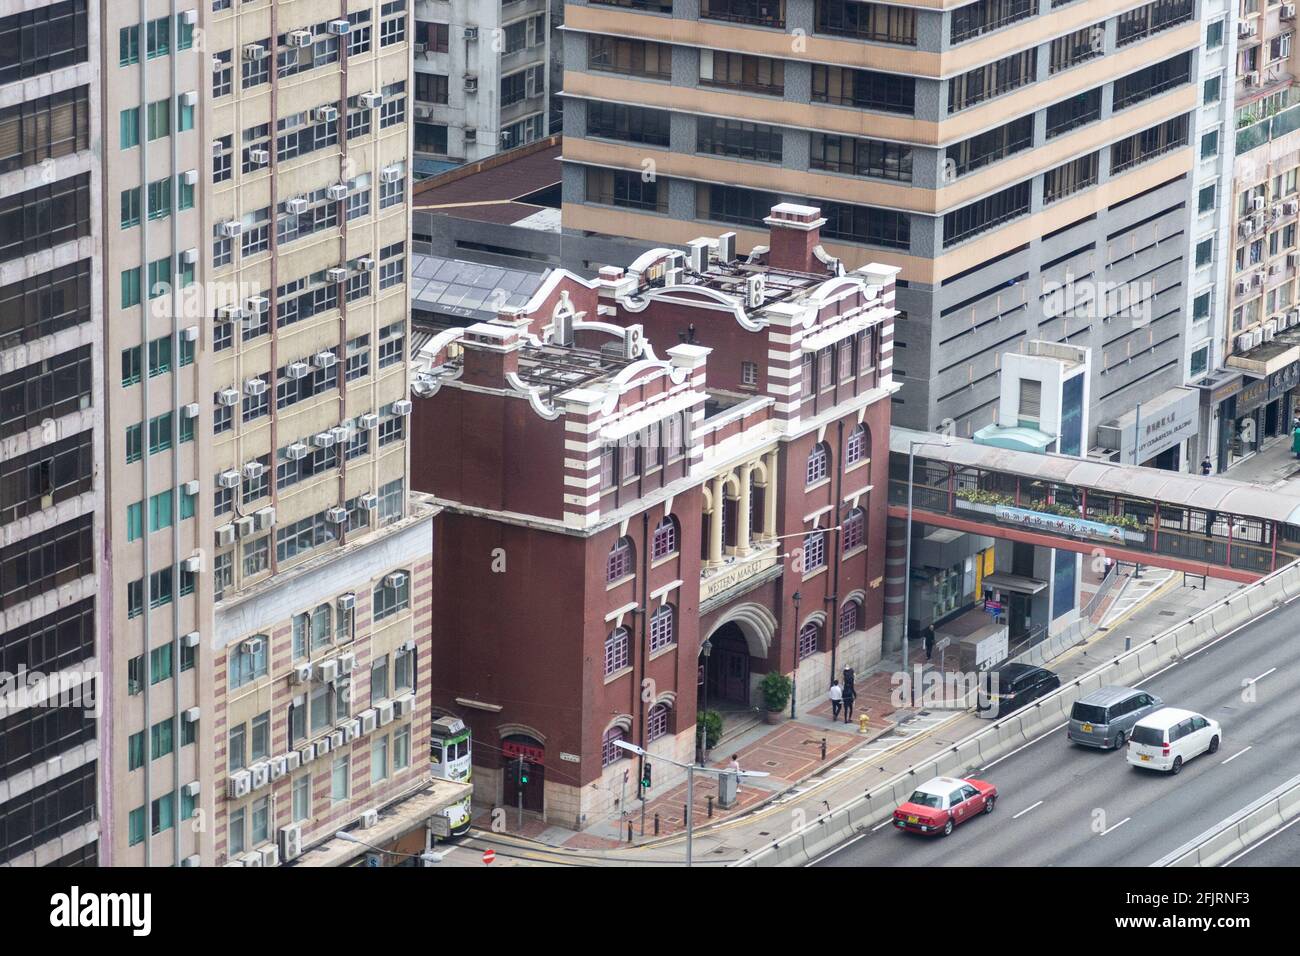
(1198, 524)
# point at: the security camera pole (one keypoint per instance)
(690, 769)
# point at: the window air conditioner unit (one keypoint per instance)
(259, 157)
(346, 663)
(366, 264)
(193, 860)
(191, 410)
(337, 192)
(390, 174)
(402, 407)
(254, 51)
(279, 767)
(291, 842)
(265, 518)
(308, 753)
(239, 784)
(1291, 259)
(368, 420)
(296, 206)
(1288, 11)
(369, 720)
(423, 112)
(346, 602)
(228, 479)
(421, 48)
(225, 535)
(261, 772)
(395, 580)
(191, 789)
(255, 386)
(231, 229)
(259, 304)
(301, 38)
(324, 359)
(191, 487)
(191, 715)
(351, 730)
(336, 515)
(471, 82)
(1243, 28)
(190, 177)
(327, 670)
(245, 526)
(341, 435)
(192, 640)
(368, 502)
(336, 275)
(1275, 269)
(300, 674)
(1290, 207)
(384, 711)
(340, 28)
(323, 745)
(372, 101)
(218, 148)
(471, 134)
(253, 469)
(1258, 203)
(404, 706)
(189, 98)
(471, 33)
(327, 114)
(193, 564)
(336, 739)
(292, 760)
(1242, 286)
(322, 440)
(227, 397)
(297, 370)
(1243, 342)
(297, 451)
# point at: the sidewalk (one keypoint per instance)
(1275, 467)
(791, 752)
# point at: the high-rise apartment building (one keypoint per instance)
(52, 548)
(267, 578)
(1016, 159)
(485, 79)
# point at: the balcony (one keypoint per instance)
(1256, 128)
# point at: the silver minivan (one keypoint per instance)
(1105, 718)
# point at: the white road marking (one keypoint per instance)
(1026, 810)
(1116, 826)
(881, 826)
(1237, 754)
(1263, 675)
(1022, 747)
(1261, 842)
(843, 846)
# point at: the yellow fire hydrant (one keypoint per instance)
(863, 720)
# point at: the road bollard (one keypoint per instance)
(629, 833)
(656, 824)
(823, 748)
(710, 800)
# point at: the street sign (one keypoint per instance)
(489, 855)
(942, 643)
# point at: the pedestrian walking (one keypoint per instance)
(847, 698)
(734, 767)
(1206, 465)
(836, 696)
(1295, 440)
(929, 641)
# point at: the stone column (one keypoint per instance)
(742, 511)
(715, 523)
(895, 582)
(770, 494)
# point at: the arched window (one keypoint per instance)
(618, 651)
(849, 617)
(856, 447)
(663, 630)
(610, 753)
(392, 595)
(819, 464)
(620, 560)
(665, 538)
(810, 636)
(853, 530)
(656, 723)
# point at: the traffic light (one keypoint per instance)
(645, 776)
(523, 771)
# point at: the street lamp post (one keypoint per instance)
(690, 769)
(705, 649)
(907, 559)
(794, 685)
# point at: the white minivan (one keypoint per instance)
(1167, 738)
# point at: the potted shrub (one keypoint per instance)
(776, 694)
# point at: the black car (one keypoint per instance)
(1012, 686)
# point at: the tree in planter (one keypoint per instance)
(776, 692)
(708, 726)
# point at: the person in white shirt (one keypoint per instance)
(836, 695)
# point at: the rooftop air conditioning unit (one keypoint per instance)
(228, 397)
(327, 670)
(258, 156)
(471, 33)
(231, 229)
(225, 535)
(301, 674)
(340, 28)
(301, 38)
(297, 451)
(327, 114)
(254, 51)
(259, 304)
(336, 515)
(390, 174)
(402, 407)
(291, 842)
(245, 526)
(255, 386)
(322, 440)
(296, 206)
(239, 784)
(368, 502)
(297, 370)
(324, 359)
(253, 469)
(336, 275)
(337, 192)
(265, 518)
(228, 479)
(372, 101)
(346, 602)
(368, 420)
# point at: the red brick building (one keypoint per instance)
(629, 466)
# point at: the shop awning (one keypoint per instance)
(1003, 581)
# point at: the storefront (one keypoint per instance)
(1218, 407)
(1154, 433)
(1262, 410)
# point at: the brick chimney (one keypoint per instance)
(795, 232)
(491, 352)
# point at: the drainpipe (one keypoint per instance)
(645, 640)
(173, 189)
(834, 599)
(146, 595)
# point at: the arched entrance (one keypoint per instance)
(523, 772)
(727, 668)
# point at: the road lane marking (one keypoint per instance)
(1116, 826)
(843, 846)
(1262, 676)
(1022, 747)
(1261, 842)
(1026, 810)
(881, 826)
(1236, 755)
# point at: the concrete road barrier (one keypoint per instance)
(1005, 735)
(1229, 837)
